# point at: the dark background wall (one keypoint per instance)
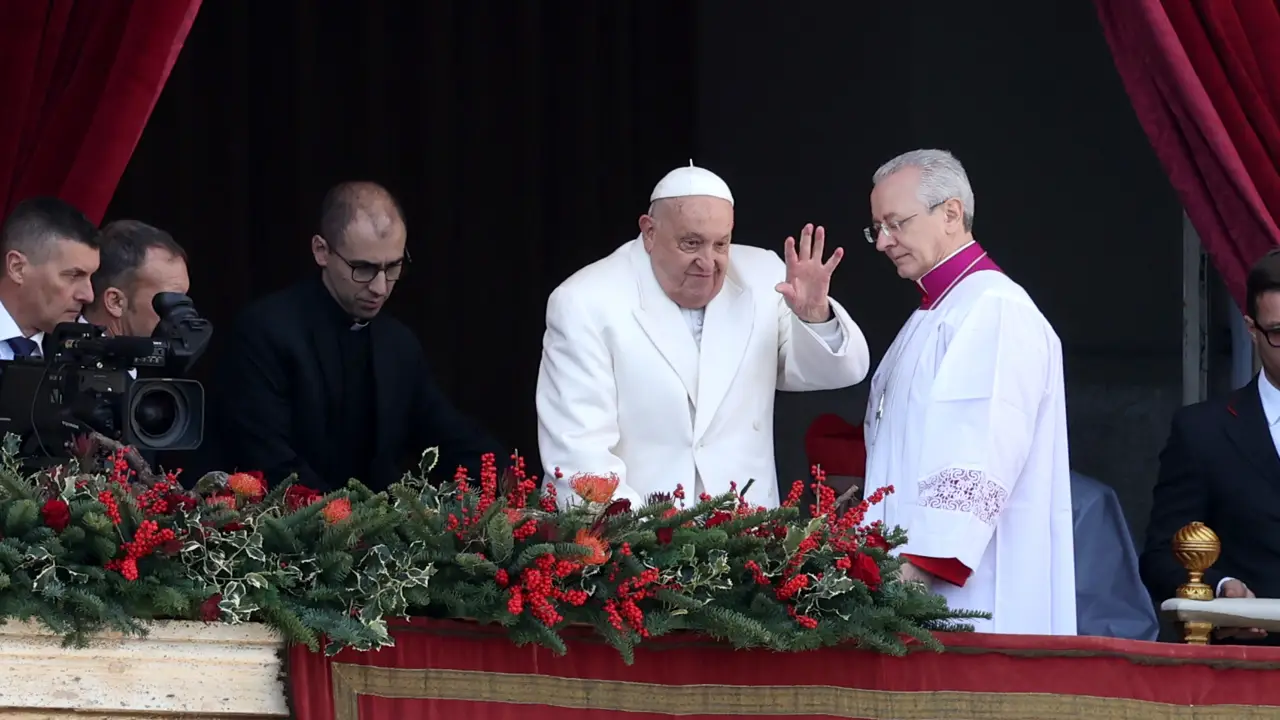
(523, 139)
(797, 108)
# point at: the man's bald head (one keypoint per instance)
(359, 202)
(361, 246)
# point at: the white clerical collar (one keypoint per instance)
(1270, 396)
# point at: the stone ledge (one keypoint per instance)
(1262, 613)
(181, 668)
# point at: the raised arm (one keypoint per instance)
(577, 397)
(825, 355)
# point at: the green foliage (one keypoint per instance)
(329, 570)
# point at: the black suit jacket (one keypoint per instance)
(279, 382)
(1219, 467)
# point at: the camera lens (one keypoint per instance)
(158, 413)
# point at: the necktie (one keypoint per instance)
(22, 347)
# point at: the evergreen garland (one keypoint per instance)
(92, 549)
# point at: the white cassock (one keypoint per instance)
(631, 384)
(967, 420)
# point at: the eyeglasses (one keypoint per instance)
(893, 227)
(365, 272)
(1272, 334)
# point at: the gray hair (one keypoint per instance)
(942, 178)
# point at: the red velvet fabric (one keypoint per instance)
(449, 669)
(837, 445)
(1204, 79)
(78, 80)
(948, 569)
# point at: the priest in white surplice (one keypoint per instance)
(660, 361)
(967, 414)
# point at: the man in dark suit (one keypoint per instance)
(137, 261)
(1221, 467)
(317, 382)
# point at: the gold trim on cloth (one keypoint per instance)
(352, 681)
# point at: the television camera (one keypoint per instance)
(87, 382)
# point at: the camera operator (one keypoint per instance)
(138, 261)
(50, 250)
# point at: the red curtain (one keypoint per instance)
(78, 79)
(1204, 79)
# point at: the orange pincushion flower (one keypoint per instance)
(599, 550)
(247, 485)
(594, 488)
(337, 510)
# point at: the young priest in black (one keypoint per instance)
(317, 382)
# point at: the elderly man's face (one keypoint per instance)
(688, 244)
(915, 240)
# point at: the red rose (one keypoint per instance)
(866, 570)
(181, 501)
(209, 610)
(664, 535)
(618, 507)
(56, 514)
(297, 497)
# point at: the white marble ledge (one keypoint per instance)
(1263, 613)
(181, 668)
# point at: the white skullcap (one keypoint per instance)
(690, 181)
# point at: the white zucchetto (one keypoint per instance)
(690, 181)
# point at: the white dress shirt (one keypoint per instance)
(9, 329)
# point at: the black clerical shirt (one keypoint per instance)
(303, 388)
(354, 419)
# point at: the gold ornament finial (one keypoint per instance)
(1197, 548)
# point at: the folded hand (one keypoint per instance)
(1235, 589)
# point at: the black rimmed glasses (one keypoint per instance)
(1272, 334)
(365, 272)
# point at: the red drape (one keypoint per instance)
(78, 79)
(1204, 79)
(446, 669)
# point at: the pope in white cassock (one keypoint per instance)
(660, 361)
(967, 414)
